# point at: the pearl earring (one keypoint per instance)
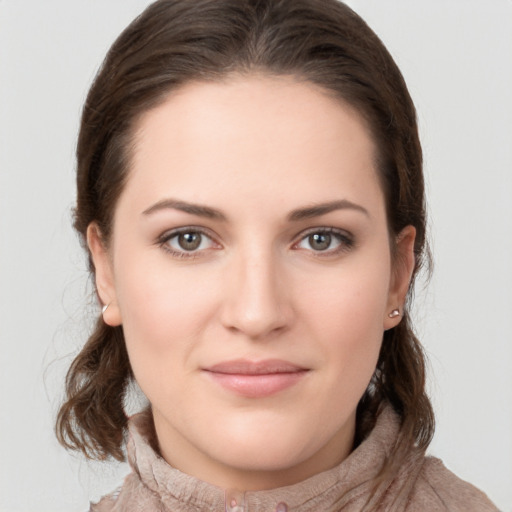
(104, 308)
(394, 313)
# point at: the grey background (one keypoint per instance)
(457, 59)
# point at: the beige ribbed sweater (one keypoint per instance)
(423, 484)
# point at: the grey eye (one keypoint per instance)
(325, 241)
(319, 241)
(189, 241)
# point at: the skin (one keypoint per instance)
(255, 149)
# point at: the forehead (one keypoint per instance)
(253, 135)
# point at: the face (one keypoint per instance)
(250, 269)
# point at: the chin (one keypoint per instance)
(266, 446)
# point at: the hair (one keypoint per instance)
(174, 42)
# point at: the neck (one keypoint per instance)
(253, 474)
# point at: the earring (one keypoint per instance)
(104, 308)
(394, 313)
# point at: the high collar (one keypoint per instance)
(330, 490)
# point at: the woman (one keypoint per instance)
(250, 192)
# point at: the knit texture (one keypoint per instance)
(422, 484)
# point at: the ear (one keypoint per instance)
(104, 275)
(403, 266)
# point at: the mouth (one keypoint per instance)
(256, 379)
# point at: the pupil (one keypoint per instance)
(189, 241)
(320, 241)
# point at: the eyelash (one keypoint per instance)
(345, 241)
(164, 239)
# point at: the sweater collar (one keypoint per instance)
(331, 489)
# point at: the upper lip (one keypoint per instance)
(246, 367)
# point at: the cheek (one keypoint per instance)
(163, 310)
(163, 314)
(344, 312)
(348, 301)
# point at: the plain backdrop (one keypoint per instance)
(457, 59)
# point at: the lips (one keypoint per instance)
(256, 379)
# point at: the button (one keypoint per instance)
(281, 507)
(234, 501)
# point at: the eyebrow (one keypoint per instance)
(193, 209)
(324, 208)
(295, 215)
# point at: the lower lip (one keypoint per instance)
(257, 386)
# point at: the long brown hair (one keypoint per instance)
(177, 41)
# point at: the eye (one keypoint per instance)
(187, 242)
(320, 241)
(325, 240)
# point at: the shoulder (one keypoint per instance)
(132, 496)
(438, 489)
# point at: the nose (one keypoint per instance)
(256, 297)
